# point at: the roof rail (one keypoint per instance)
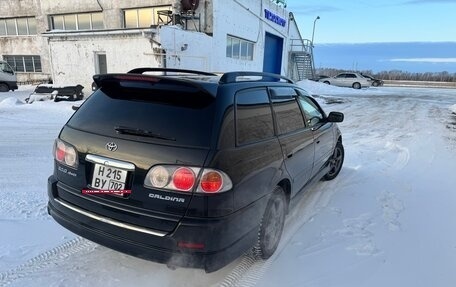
(142, 70)
(232, 77)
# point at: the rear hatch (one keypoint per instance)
(137, 122)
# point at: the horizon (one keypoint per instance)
(365, 21)
(416, 57)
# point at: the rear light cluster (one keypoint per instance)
(182, 178)
(65, 154)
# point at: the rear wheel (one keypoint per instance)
(272, 224)
(356, 86)
(335, 162)
(4, 87)
(327, 82)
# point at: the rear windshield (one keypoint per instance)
(166, 114)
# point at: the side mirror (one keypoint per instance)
(335, 117)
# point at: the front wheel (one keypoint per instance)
(356, 86)
(272, 224)
(327, 82)
(4, 88)
(335, 162)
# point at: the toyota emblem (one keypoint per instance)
(111, 146)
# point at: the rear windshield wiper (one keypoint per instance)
(140, 132)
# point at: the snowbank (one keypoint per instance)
(453, 109)
(11, 101)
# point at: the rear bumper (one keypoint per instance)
(224, 239)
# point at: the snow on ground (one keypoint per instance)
(386, 220)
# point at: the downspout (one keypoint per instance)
(51, 64)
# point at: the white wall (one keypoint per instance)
(186, 49)
(245, 19)
(73, 60)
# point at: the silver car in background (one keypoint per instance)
(354, 80)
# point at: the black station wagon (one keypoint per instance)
(189, 168)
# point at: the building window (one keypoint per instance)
(83, 21)
(143, 17)
(27, 64)
(238, 48)
(18, 26)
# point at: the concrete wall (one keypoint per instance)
(73, 58)
(70, 58)
(26, 45)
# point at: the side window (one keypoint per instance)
(351, 76)
(4, 67)
(286, 109)
(253, 116)
(341, 76)
(311, 111)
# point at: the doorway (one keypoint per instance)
(273, 50)
(101, 65)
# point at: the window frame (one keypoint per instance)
(250, 48)
(15, 33)
(280, 98)
(154, 15)
(76, 19)
(14, 60)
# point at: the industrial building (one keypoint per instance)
(69, 41)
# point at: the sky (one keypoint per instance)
(407, 35)
(363, 21)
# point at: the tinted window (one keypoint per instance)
(311, 111)
(286, 109)
(253, 116)
(181, 114)
(351, 76)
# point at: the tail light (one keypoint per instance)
(186, 179)
(211, 181)
(65, 154)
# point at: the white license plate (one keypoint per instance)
(108, 178)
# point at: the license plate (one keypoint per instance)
(108, 178)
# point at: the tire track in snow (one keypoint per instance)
(251, 269)
(43, 260)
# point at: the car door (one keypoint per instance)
(296, 140)
(339, 80)
(322, 130)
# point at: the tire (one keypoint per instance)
(272, 223)
(375, 84)
(327, 83)
(4, 88)
(335, 162)
(356, 86)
